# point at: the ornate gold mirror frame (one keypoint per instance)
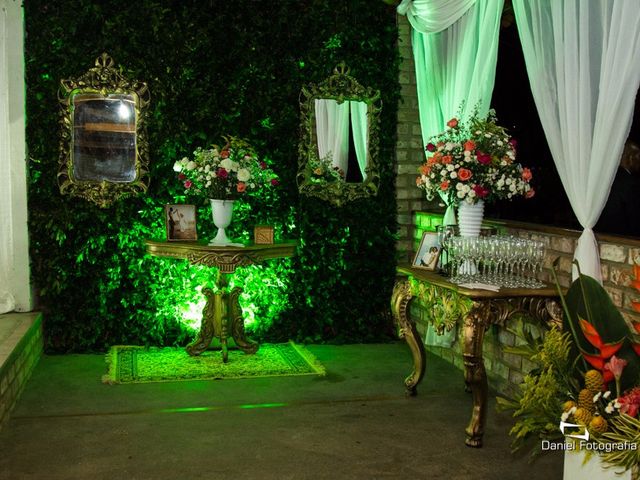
(104, 154)
(341, 87)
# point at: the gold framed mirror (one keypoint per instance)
(339, 139)
(104, 155)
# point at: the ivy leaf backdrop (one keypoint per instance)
(213, 68)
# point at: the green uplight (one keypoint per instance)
(263, 405)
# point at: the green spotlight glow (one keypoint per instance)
(263, 405)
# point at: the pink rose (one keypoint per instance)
(188, 184)
(484, 158)
(453, 123)
(481, 192)
(224, 154)
(530, 194)
(513, 142)
(263, 165)
(181, 176)
(526, 174)
(274, 182)
(430, 147)
(464, 174)
(222, 173)
(241, 187)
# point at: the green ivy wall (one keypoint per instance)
(213, 68)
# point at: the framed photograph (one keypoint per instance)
(181, 223)
(428, 252)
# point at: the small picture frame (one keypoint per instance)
(181, 223)
(428, 252)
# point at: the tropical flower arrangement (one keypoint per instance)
(472, 161)
(587, 376)
(224, 173)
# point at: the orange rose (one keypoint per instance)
(469, 145)
(418, 181)
(453, 123)
(526, 174)
(425, 169)
(444, 185)
(464, 174)
(241, 187)
(447, 159)
(530, 193)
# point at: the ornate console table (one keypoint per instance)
(476, 310)
(222, 314)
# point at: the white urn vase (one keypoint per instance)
(470, 217)
(222, 211)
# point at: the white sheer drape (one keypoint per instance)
(583, 66)
(332, 130)
(431, 16)
(360, 131)
(7, 301)
(454, 65)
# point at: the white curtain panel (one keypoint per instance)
(455, 49)
(584, 70)
(430, 16)
(7, 301)
(332, 130)
(360, 131)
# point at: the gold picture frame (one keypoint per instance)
(181, 222)
(428, 252)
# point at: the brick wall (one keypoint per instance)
(505, 371)
(23, 350)
(409, 151)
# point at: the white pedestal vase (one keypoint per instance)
(222, 211)
(576, 468)
(470, 218)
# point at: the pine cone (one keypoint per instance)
(582, 416)
(593, 381)
(585, 400)
(598, 424)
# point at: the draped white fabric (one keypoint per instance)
(455, 65)
(332, 130)
(7, 300)
(583, 66)
(360, 131)
(430, 16)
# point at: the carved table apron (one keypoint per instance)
(222, 314)
(477, 310)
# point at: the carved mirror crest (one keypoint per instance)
(103, 146)
(338, 150)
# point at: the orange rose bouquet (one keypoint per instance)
(473, 161)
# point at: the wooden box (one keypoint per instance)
(263, 234)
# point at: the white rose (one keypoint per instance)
(453, 175)
(177, 167)
(244, 174)
(449, 146)
(207, 167)
(227, 164)
(460, 194)
(191, 165)
(450, 167)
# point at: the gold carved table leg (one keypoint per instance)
(399, 307)
(475, 375)
(221, 317)
(483, 314)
